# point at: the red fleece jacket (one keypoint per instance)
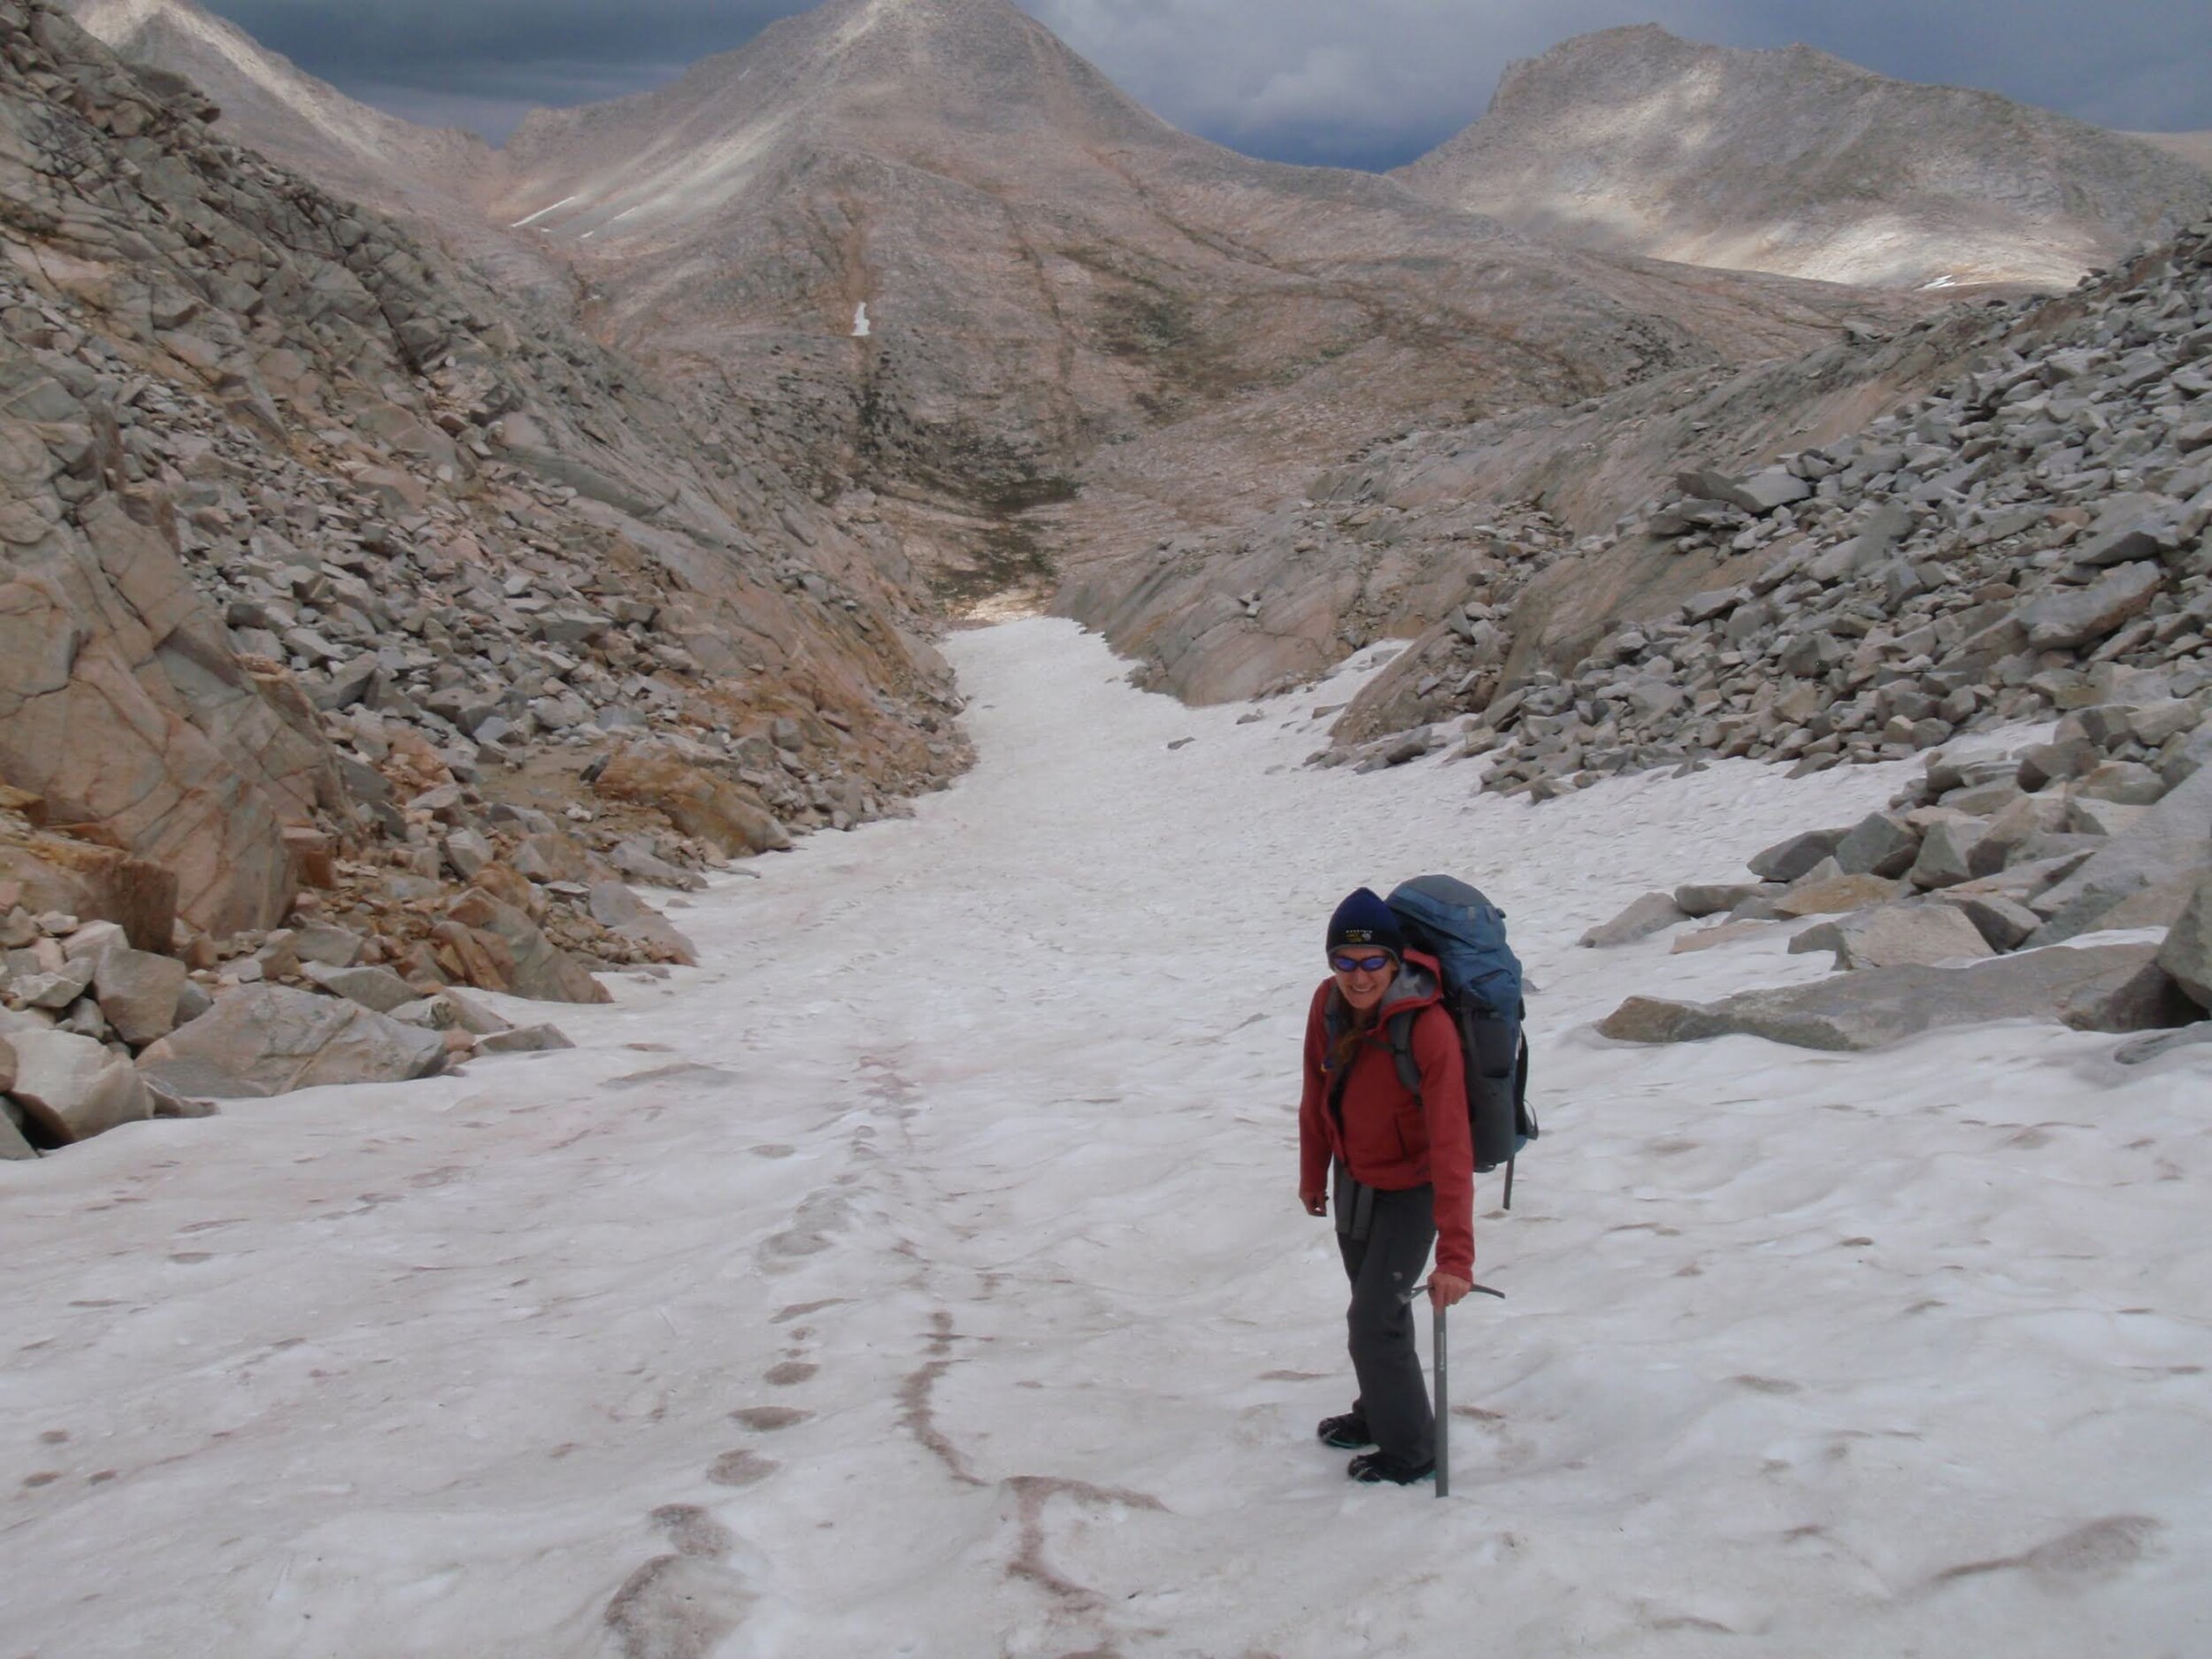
(1391, 1140)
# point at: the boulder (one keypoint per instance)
(332, 947)
(1710, 898)
(1946, 853)
(2030, 816)
(1788, 860)
(1879, 844)
(2174, 839)
(267, 1040)
(2103, 988)
(2123, 782)
(1835, 895)
(467, 852)
(1896, 936)
(55, 990)
(2160, 907)
(2090, 815)
(2043, 764)
(72, 1088)
(696, 802)
(93, 940)
(524, 1040)
(1723, 934)
(2001, 922)
(550, 855)
(2186, 956)
(123, 705)
(2192, 756)
(1760, 493)
(1654, 913)
(637, 859)
(1656, 1019)
(2143, 1050)
(467, 1014)
(138, 993)
(2068, 617)
(7, 1065)
(614, 907)
(378, 989)
(539, 972)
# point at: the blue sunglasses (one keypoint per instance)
(1375, 963)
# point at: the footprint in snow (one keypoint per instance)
(681, 1605)
(767, 1418)
(741, 1467)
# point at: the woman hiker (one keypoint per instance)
(1403, 1173)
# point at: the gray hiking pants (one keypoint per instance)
(1384, 1260)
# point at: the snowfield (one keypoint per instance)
(925, 1276)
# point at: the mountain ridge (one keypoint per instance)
(1795, 161)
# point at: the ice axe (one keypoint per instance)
(1443, 1430)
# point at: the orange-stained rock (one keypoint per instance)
(123, 706)
(94, 883)
(696, 802)
(539, 969)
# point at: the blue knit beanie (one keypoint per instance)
(1364, 919)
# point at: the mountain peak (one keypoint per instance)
(1794, 161)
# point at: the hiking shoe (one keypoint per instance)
(1347, 1433)
(1375, 1467)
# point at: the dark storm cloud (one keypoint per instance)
(1371, 84)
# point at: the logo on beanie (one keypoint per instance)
(1359, 935)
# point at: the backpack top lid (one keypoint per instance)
(1446, 919)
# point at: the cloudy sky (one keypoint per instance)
(1352, 82)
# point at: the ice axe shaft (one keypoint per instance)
(1443, 1403)
(1443, 1411)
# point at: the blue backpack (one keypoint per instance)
(1446, 919)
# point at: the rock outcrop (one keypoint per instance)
(1960, 561)
(1792, 161)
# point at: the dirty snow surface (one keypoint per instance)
(925, 1276)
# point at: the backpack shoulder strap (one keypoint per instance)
(1400, 1029)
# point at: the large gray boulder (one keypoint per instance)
(379, 990)
(1787, 861)
(1946, 853)
(2173, 840)
(266, 1040)
(1654, 913)
(2068, 617)
(138, 992)
(1879, 844)
(2103, 988)
(73, 1088)
(2003, 922)
(614, 907)
(2187, 954)
(1896, 936)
